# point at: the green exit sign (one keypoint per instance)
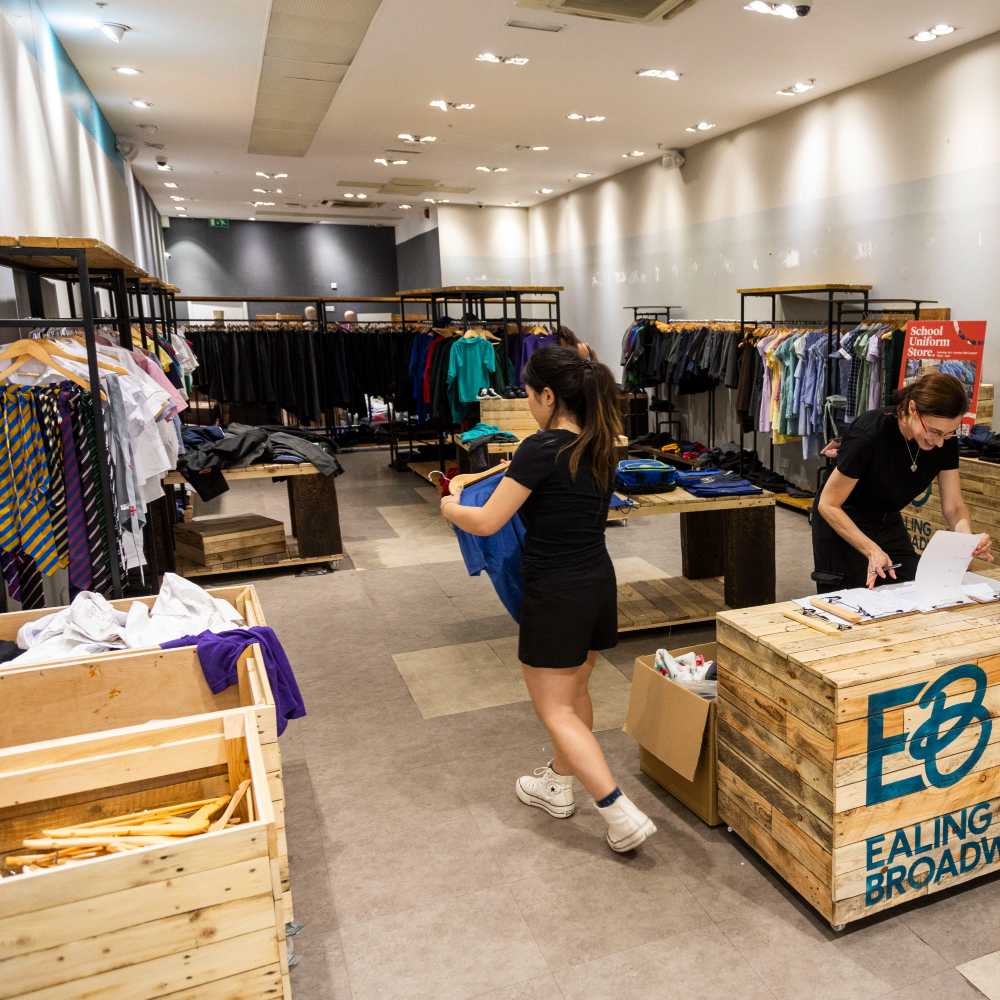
(219, 223)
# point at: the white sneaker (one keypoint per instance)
(628, 825)
(547, 790)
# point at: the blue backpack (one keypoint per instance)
(645, 475)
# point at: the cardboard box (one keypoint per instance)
(676, 731)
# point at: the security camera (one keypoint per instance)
(672, 159)
(803, 9)
(161, 161)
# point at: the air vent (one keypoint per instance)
(629, 11)
(533, 26)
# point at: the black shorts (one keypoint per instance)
(565, 615)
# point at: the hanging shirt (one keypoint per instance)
(471, 363)
(500, 554)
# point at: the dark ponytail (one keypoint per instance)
(934, 395)
(587, 390)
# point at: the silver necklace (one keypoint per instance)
(913, 458)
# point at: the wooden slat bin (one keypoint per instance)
(217, 540)
(201, 917)
(864, 767)
(128, 688)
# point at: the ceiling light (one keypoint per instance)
(381, 161)
(595, 118)
(127, 70)
(260, 173)
(575, 116)
(362, 197)
(252, 219)
(430, 201)
(539, 149)
(177, 197)
(444, 201)
(411, 138)
(279, 177)
(544, 191)
(260, 204)
(787, 10)
(136, 103)
(797, 88)
(349, 194)
(516, 60)
(444, 105)
(487, 57)
(279, 191)
(464, 106)
(428, 138)
(492, 170)
(113, 31)
(582, 175)
(925, 36)
(164, 166)
(170, 184)
(490, 57)
(261, 191)
(700, 127)
(943, 29)
(406, 206)
(513, 204)
(634, 155)
(660, 74)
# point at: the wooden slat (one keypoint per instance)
(264, 983)
(668, 601)
(799, 289)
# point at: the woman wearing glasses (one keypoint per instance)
(887, 459)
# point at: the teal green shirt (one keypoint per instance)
(471, 364)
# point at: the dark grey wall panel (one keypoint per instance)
(280, 258)
(418, 261)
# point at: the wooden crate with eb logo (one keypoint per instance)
(864, 767)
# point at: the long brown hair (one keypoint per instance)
(934, 395)
(587, 390)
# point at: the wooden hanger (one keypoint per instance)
(458, 483)
(78, 338)
(27, 350)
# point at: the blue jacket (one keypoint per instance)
(499, 554)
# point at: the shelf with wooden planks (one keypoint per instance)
(649, 604)
(186, 916)
(70, 697)
(864, 767)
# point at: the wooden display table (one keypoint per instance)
(864, 767)
(312, 504)
(728, 537)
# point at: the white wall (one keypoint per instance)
(59, 172)
(895, 182)
(483, 246)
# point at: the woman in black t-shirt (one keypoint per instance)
(887, 459)
(560, 480)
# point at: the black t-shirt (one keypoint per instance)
(875, 453)
(564, 518)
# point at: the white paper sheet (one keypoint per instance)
(944, 563)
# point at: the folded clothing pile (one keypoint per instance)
(92, 625)
(210, 450)
(708, 483)
(484, 433)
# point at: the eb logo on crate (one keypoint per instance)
(935, 737)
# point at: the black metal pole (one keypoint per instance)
(141, 316)
(103, 468)
(119, 291)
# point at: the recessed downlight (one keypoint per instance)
(113, 31)
(170, 184)
(164, 166)
(633, 154)
(141, 104)
(544, 191)
(660, 74)
(442, 105)
(384, 161)
(261, 191)
(798, 88)
(491, 170)
(933, 34)
(786, 10)
(177, 197)
(127, 71)
(701, 127)
(582, 175)
(412, 138)
(513, 204)
(404, 207)
(943, 29)
(575, 116)
(492, 57)
(925, 36)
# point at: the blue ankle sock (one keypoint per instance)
(610, 798)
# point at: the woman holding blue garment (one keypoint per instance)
(560, 481)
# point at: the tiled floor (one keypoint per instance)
(418, 874)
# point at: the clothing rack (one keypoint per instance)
(651, 312)
(84, 265)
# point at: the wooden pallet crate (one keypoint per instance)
(201, 917)
(216, 540)
(243, 598)
(115, 690)
(864, 767)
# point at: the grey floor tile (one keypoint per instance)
(694, 965)
(984, 974)
(961, 924)
(543, 988)
(949, 985)
(604, 906)
(452, 949)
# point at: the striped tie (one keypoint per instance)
(86, 452)
(29, 479)
(32, 592)
(48, 418)
(80, 574)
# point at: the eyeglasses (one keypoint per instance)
(934, 434)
